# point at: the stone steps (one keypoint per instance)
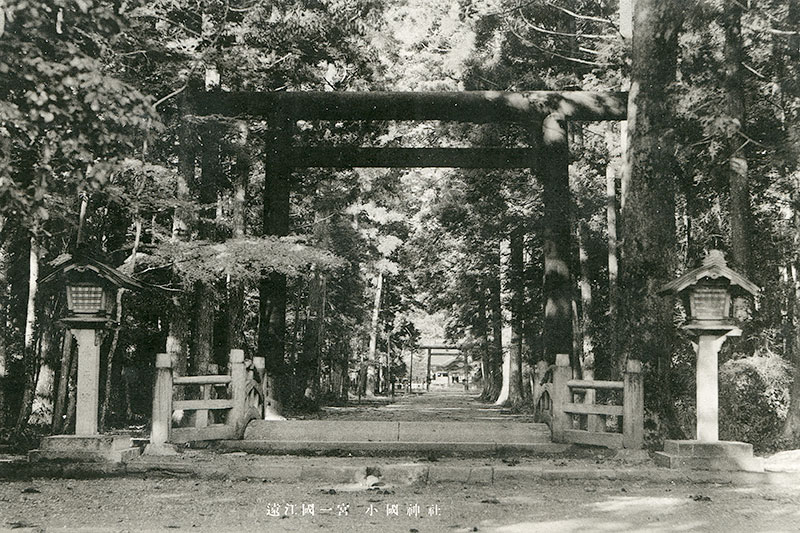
(95, 448)
(376, 438)
(379, 431)
(390, 449)
(703, 455)
(746, 464)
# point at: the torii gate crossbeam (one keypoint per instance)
(543, 113)
(465, 106)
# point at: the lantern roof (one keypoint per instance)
(82, 262)
(713, 267)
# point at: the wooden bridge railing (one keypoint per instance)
(568, 416)
(230, 414)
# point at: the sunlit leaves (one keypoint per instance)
(67, 122)
(242, 259)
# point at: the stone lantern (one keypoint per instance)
(91, 287)
(707, 293)
(90, 296)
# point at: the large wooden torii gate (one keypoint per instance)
(543, 113)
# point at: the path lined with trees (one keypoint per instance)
(326, 271)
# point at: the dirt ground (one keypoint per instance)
(139, 504)
(155, 503)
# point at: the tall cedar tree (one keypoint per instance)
(649, 257)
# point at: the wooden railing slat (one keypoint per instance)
(193, 405)
(595, 384)
(202, 380)
(201, 416)
(593, 409)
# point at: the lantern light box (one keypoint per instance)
(91, 287)
(707, 291)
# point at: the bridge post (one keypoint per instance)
(633, 406)
(561, 396)
(162, 400)
(161, 430)
(238, 390)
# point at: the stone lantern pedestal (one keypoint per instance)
(90, 289)
(707, 452)
(700, 455)
(707, 292)
(87, 444)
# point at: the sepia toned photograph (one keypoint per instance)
(508, 266)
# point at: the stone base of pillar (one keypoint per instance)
(700, 455)
(160, 449)
(88, 449)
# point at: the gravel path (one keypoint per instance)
(445, 405)
(549, 506)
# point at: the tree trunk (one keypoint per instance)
(739, 206)
(340, 371)
(649, 255)
(586, 326)
(29, 339)
(371, 361)
(517, 281)
(496, 312)
(60, 404)
(310, 358)
(3, 324)
(177, 342)
(82, 217)
(505, 378)
(389, 385)
(235, 307)
(203, 337)
(791, 428)
(112, 349)
(505, 364)
(42, 405)
(178, 334)
(308, 363)
(533, 288)
(626, 19)
(187, 156)
(612, 170)
(482, 334)
(205, 295)
(298, 326)
(272, 289)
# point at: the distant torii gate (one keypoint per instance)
(544, 113)
(437, 347)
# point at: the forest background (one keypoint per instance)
(98, 138)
